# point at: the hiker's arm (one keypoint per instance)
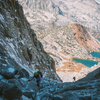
(31, 78)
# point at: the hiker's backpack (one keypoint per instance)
(40, 73)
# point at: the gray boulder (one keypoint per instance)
(66, 96)
(15, 82)
(44, 96)
(23, 81)
(29, 88)
(29, 94)
(22, 73)
(57, 97)
(32, 86)
(70, 96)
(24, 98)
(13, 93)
(8, 71)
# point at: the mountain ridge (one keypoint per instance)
(70, 13)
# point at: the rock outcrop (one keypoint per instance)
(19, 46)
(16, 87)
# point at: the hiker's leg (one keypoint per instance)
(38, 84)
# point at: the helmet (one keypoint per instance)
(35, 73)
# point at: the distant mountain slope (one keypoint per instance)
(44, 14)
(84, 38)
(68, 41)
(55, 18)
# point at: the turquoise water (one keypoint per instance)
(95, 54)
(88, 63)
(98, 39)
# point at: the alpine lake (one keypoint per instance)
(89, 63)
(98, 39)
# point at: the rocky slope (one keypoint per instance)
(14, 85)
(94, 33)
(84, 38)
(18, 42)
(21, 54)
(53, 13)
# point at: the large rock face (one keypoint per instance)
(18, 43)
(53, 13)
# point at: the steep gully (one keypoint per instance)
(56, 13)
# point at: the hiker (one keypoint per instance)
(74, 78)
(38, 76)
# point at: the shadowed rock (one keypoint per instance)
(8, 71)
